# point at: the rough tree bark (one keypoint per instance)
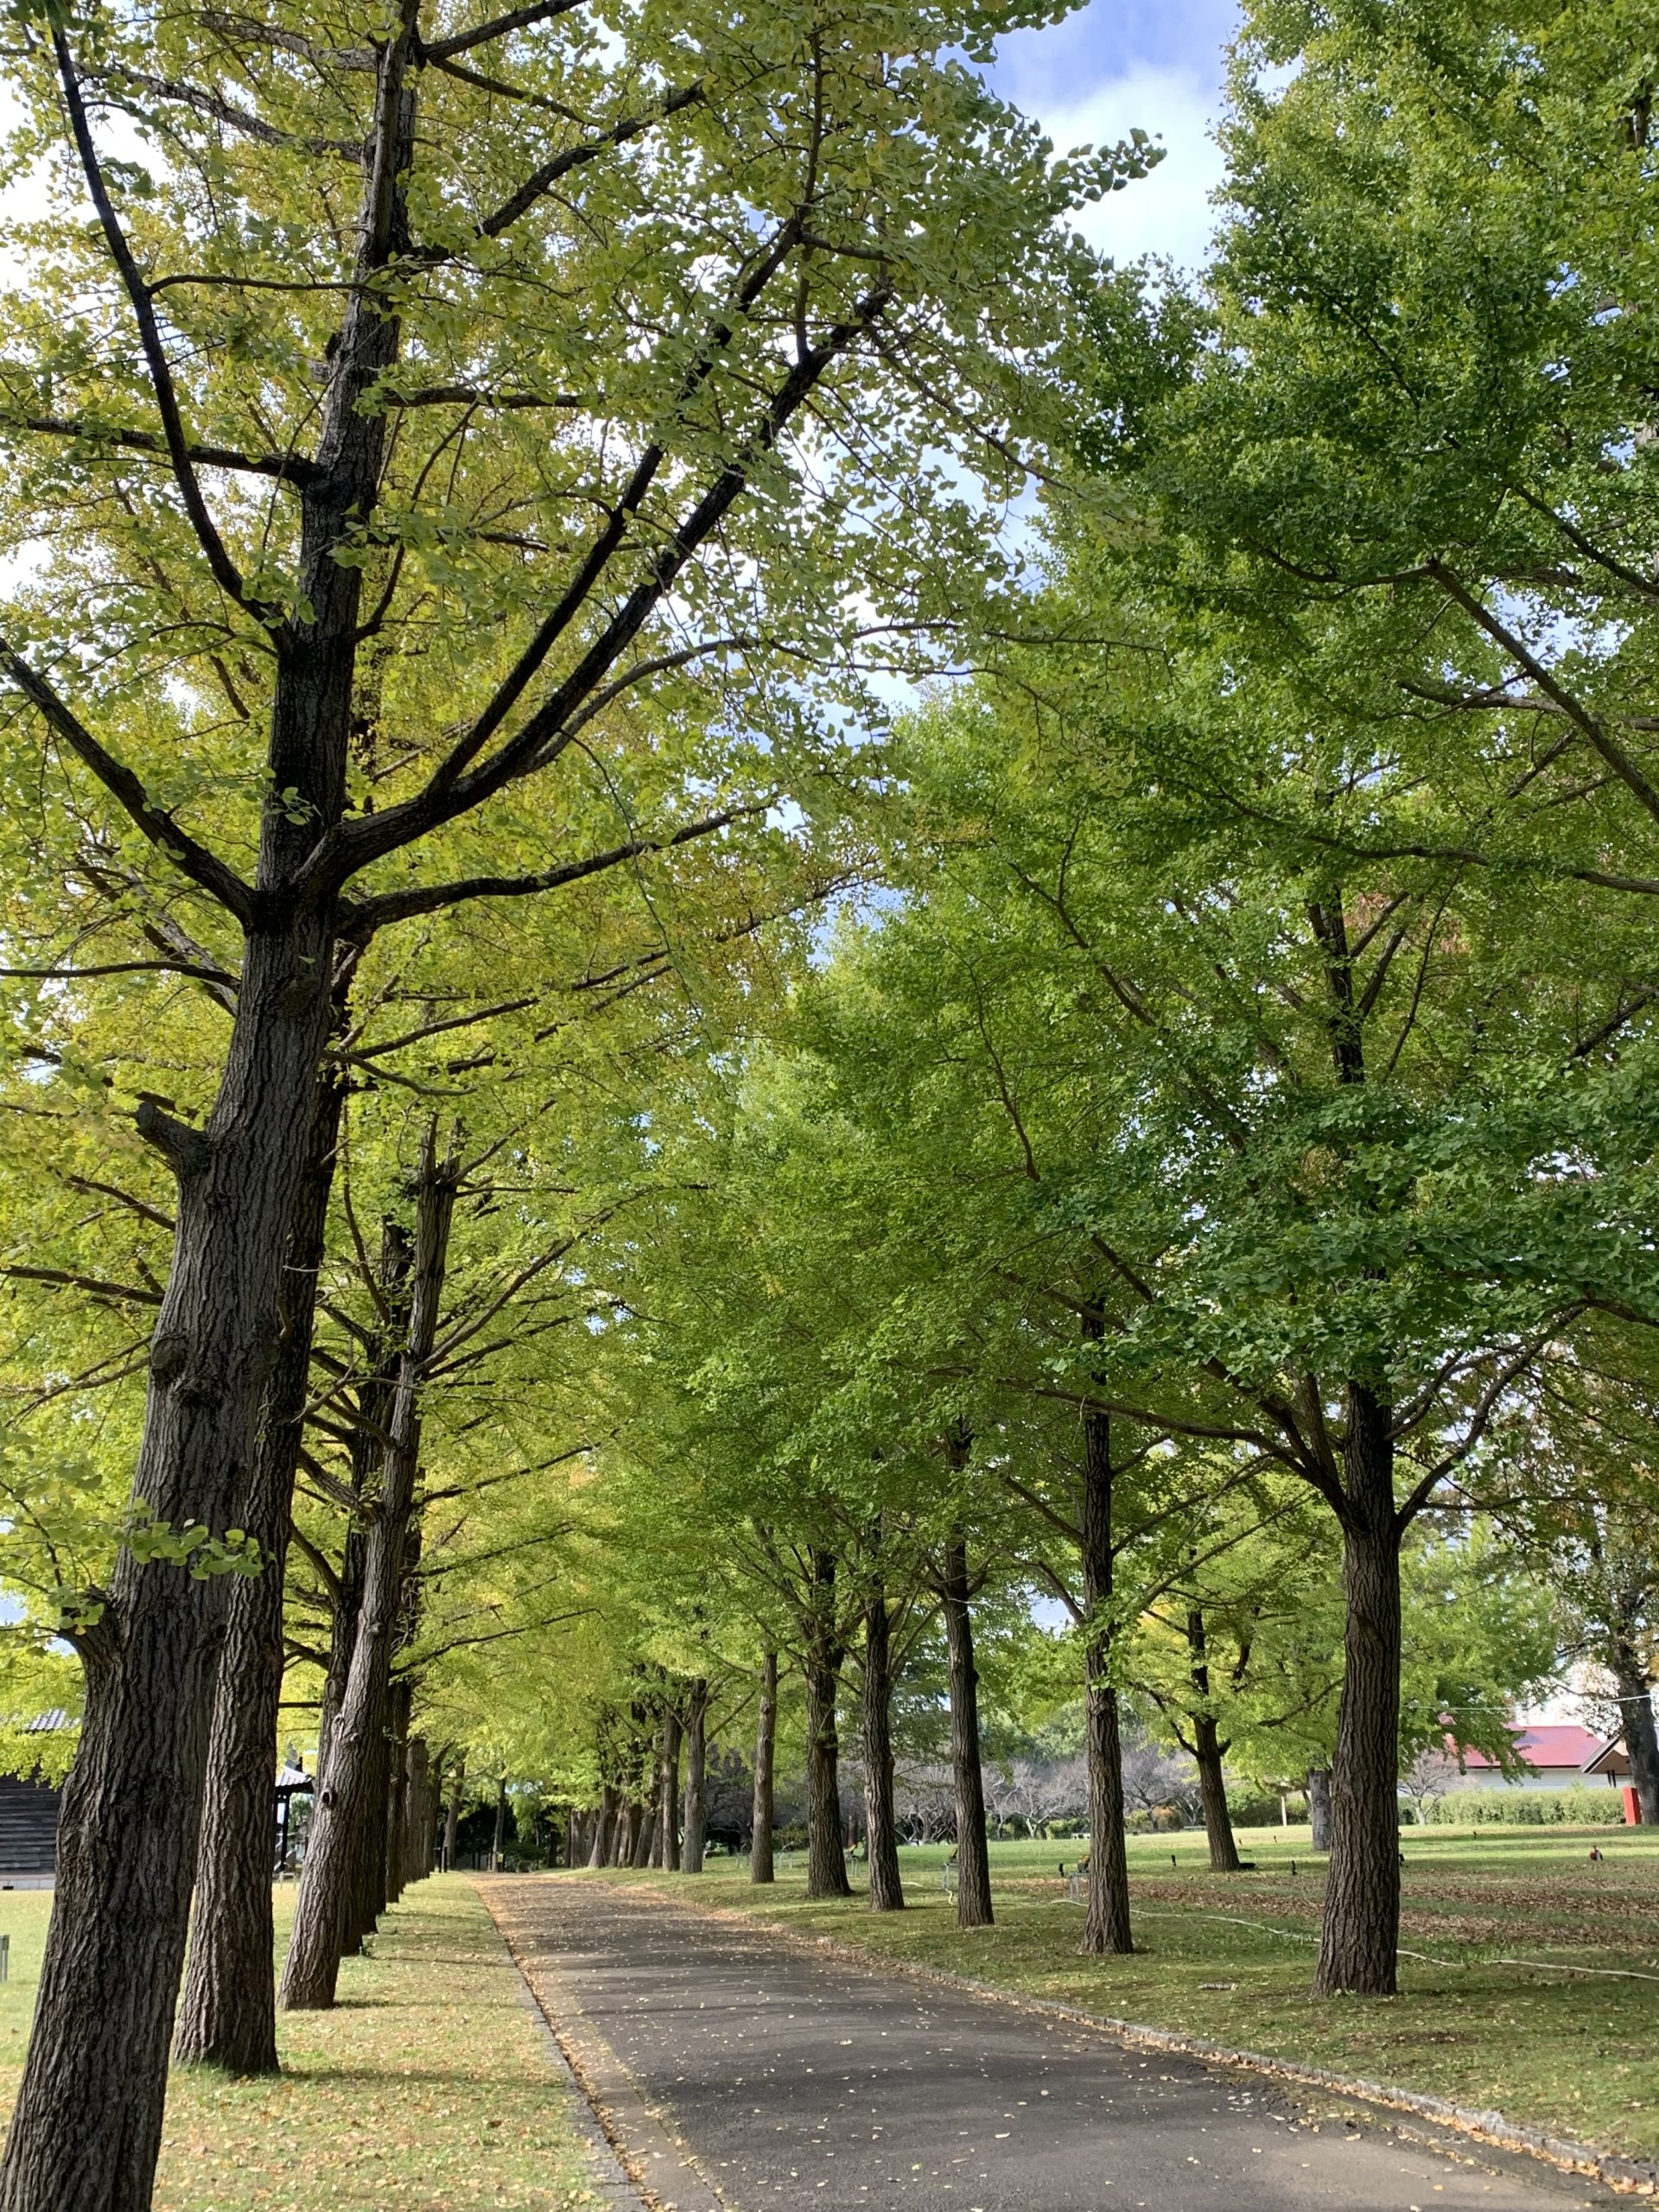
(650, 1806)
(1319, 1806)
(1106, 1924)
(417, 1812)
(627, 1833)
(1208, 1750)
(826, 1861)
(766, 1740)
(1360, 1933)
(605, 1827)
(881, 1829)
(346, 1588)
(364, 1897)
(452, 1817)
(973, 1856)
(667, 1846)
(344, 1796)
(1641, 1738)
(363, 1881)
(227, 2013)
(393, 1815)
(697, 1779)
(499, 1843)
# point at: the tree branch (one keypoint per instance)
(225, 571)
(287, 468)
(541, 181)
(1615, 755)
(195, 860)
(541, 738)
(94, 1285)
(116, 968)
(365, 916)
(519, 19)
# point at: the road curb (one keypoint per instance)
(1630, 2176)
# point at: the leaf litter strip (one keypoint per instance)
(1425, 1958)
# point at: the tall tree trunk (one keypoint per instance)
(344, 1798)
(498, 1846)
(1641, 1738)
(886, 1891)
(1106, 1924)
(398, 1701)
(826, 1861)
(766, 1744)
(650, 1806)
(628, 1833)
(1207, 1751)
(363, 1879)
(697, 1775)
(86, 2127)
(1361, 1930)
(227, 2015)
(452, 1818)
(1319, 1808)
(605, 1827)
(1212, 1795)
(668, 1793)
(364, 1897)
(973, 1856)
(432, 1831)
(417, 1811)
(345, 1590)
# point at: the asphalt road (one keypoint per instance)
(797, 2081)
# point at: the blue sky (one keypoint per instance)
(1117, 63)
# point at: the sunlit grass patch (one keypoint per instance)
(429, 2089)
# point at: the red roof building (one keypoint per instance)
(1560, 1756)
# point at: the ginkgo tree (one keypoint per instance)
(544, 1042)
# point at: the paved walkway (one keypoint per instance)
(744, 2072)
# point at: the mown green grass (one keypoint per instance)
(1577, 2054)
(428, 2089)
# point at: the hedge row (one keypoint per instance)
(1533, 1809)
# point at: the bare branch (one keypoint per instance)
(184, 1149)
(438, 1028)
(226, 110)
(541, 738)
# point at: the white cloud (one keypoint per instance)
(1169, 212)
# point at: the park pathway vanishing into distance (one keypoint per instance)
(795, 2082)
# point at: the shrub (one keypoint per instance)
(1533, 1808)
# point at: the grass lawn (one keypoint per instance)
(1572, 2053)
(427, 2088)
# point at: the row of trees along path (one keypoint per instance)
(1231, 1139)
